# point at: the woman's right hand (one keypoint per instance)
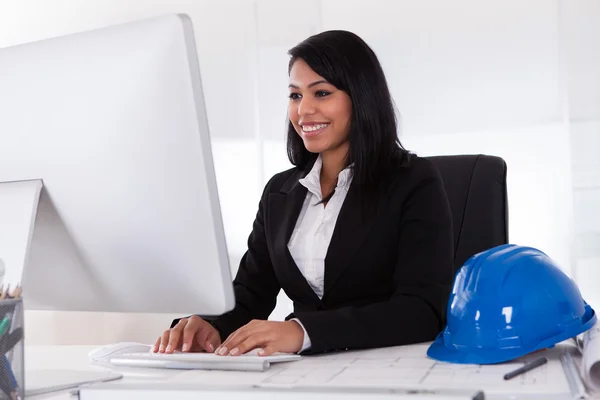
(190, 334)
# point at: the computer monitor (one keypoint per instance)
(112, 124)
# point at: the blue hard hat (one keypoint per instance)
(506, 302)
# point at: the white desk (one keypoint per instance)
(321, 376)
(76, 358)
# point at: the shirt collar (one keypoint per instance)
(312, 181)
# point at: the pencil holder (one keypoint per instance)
(12, 363)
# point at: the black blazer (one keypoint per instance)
(387, 276)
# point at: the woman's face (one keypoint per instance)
(319, 111)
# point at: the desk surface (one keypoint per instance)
(395, 367)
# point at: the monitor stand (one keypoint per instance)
(19, 203)
(18, 210)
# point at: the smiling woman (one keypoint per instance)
(358, 234)
(316, 105)
(320, 113)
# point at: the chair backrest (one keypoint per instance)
(476, 189)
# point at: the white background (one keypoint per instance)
(516, 79)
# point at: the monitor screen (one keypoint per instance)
(113, 123)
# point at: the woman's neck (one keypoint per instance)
(333, 163)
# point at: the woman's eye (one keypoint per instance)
(322, 93)
(294, 96)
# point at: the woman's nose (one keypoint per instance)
(306, 107)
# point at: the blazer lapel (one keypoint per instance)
(350, 231)
(284, 208)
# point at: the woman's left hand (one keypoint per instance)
(269, 336)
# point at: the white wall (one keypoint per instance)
(582, 43)
(509, 78)
(539, 206)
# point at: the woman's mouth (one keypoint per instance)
(313, 129)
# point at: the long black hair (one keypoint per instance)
(349, 64)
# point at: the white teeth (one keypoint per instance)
(312, 128)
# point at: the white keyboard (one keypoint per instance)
(245, 362)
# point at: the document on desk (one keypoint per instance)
(589, 346)
(204, 361)
(150, 391)
(403, 367)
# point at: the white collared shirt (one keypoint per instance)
(312, 234)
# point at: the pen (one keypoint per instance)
(7, 294)
(8, 383)
(10, 340)
(526, 367)
(4, 325)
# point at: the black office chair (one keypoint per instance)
(476, 189)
